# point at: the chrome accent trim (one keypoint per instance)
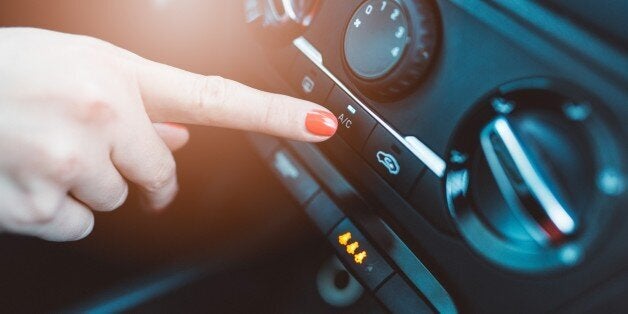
(427, 155)
(436, 164)
(529, 175)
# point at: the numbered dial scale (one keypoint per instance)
(376, 39)
(388, 46)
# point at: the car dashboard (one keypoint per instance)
(480, 158)
(479, 166)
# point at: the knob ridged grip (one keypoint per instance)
(375, 46)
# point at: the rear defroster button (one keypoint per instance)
(309, 81)
(392, 160)
(358, 253)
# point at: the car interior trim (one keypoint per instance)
(425, 154)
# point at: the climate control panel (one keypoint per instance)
(476, 135)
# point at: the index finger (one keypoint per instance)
(175, 95)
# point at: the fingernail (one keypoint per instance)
(175, 125)
(321, 122)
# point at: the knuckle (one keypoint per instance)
(97, 110)
(121, 198)
(93, 46)
(95, 104)
(89, 40)
(162, 176)
(39, 213)
(63, 163)
(211, 92)
(116, 199)
(270, 113)
(92, 92)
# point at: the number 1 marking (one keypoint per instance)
(384, 3)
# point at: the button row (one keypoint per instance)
(369, 266)
(389, 157)
(354, 249)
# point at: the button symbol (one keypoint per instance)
(351, 109)
(395, 14)
(357, 23)
(395, 52)
(285, 167)
(400, 31)
(359, 258)
(307, 84)
(352, 247)
(344, 238)
(345, 121)
(389, 161)
(502, 106)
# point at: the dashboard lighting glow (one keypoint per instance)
(359, 258)
(352, 247)
(344, 238)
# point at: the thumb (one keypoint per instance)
(174, 135)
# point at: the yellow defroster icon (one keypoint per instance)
(352, 247)
(359, 258)
(344, 240)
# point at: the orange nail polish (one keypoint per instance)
(321, 122)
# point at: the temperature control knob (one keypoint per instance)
(389, 45)
(535, 175)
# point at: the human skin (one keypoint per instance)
(80, 117)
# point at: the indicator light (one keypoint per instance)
(352, 247)
(359, 258)
(344, 238)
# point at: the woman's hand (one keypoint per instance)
(79, 117)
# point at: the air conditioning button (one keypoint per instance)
(354, 123)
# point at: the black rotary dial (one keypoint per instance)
(389, 45)
(376, 39)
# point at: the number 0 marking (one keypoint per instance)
(369, 9)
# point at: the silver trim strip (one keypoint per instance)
(535, 185)
(436, 164)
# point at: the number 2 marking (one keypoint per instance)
(395, 14)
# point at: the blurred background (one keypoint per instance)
(231, 225)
